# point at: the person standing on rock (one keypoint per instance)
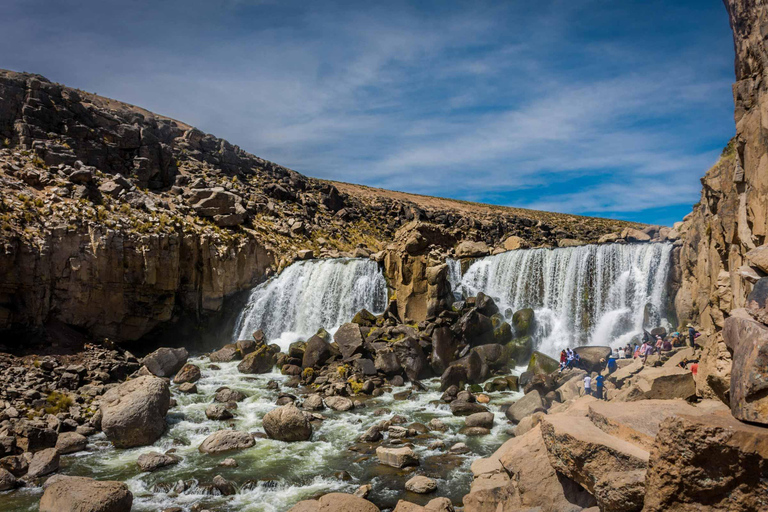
(599, 387)
(692, 336)
(587, 385)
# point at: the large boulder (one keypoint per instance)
(593, 358)
(80, 494)
(526, 406)
(659, 383)
(475, 328)
(316, 352)
(188, 373)
(261, 360)
(133, 413)
(287, 423)
(520, 348)
(581, 451)
(455, 375)
(225, 354)
(153, 461)
(748, 340)
(443, 349)
(411, 357)
(542, 364)
(470, 249)
(7, 480)
(349, 339)
(476, 368)
(71, 442)
(43, 463)
(165, 362)
(522, 321)
(707, 463)
(226, 441)
(519, 476)
(397, 457)
(335, 502)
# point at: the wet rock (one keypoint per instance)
(218, 412)
(542, 364)
(153, 461)
(397, 457)
(188, 388)
(228, 463)
(43, 463)
(527, 405)
(261, 360)
(386, 362)
(464, 408)
(71, 442)
(226, 440)
(225, 354)
(225, 395)
(474, 431)
(313, 403)
(453, 376)
(444, 347)
(79, 494)
(372, 435)
(339, 403)
(133, 413)
(165, 362)
(479, 419)
(225, 487)
(593, 358)
(411, 357)
(287, 423)
(188, 373)
(523, 321)
(421, 485)
(7, 480)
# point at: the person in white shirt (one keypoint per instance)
(587, 385)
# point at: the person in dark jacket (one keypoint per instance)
(692, 335)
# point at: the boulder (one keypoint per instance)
(364, 318)
(659, 383)
(444, 347)
(522, 321)
(165, 362)
(80, 494)
(349, 339)
(71, 442)
(635, 235)
(188, 373)
(225, 441)
(470, 249)
(519, 476)
(581, 451)
(479, 419)
(542, 363)
(287, 423)
(397, 457)
(386, 362)
(707, 463)
(339, 403)
(43, 463)
(316, 352)
(748, 340)
(153, 461)
(475, 328)
(218, 412)
(527, 405)
(520, 349)
(465, 408)
(593, 358)
(7, 480)
(475, 368)
(335, 502)
(758, 257)
(513, 242)
(133, 413)
(485, 305)
(261, 360)
(411, 357)
(225, 354)
(313, 403)
(421, 484)
(225, 395)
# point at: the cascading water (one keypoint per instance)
(593, 294)
(309, 295)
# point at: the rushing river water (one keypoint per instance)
(273, 475)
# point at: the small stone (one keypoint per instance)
(421, 485)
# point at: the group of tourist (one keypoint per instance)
(569, 359)
(657, 344)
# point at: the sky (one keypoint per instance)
(594, 107)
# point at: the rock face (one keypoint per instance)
(708, 463)
(133, 413)
(79, 494)
(287, 423)
(748, 341)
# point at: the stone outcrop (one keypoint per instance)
(748, 342)
(133, 413)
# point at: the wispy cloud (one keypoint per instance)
(592, 107)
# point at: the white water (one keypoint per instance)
(309, 295)
(594, 294)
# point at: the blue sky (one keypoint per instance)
(596, 107)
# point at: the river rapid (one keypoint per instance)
(272, 475)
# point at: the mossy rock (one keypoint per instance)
(502, 333)
(542, 364)
(364, 318)
(520, 349)
(324, 335)
(523, 321)
(476, 388)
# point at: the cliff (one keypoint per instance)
(117, 220)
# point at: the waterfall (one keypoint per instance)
(312, 294)
(593, 294)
